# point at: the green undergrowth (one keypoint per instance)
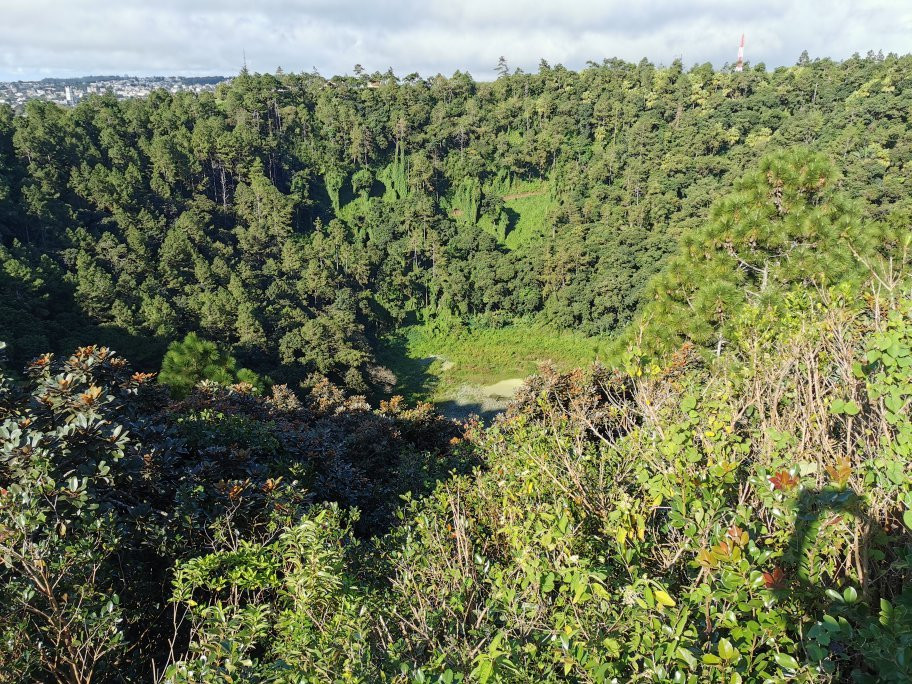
(738, 521)
(531, 217)
(429, 363)
(526, 205)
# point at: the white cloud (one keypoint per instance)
(70, 37)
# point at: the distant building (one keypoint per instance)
(69, 91)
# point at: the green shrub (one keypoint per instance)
(741, 522)
(284, 611)
(735, 523)
(193, 360)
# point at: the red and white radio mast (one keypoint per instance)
(740, 65)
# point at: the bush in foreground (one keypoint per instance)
(744, 522)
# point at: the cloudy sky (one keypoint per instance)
(79, 37)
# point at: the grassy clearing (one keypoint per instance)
(531, 214)
(527, 204)
(484, 357)
(434, 365)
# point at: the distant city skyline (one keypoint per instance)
(70, 91)
(89, 77)
(48, 38)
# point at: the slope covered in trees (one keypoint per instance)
(729, 501)
(295, 218)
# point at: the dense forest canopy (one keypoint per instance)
(295, 218)
(726, 497)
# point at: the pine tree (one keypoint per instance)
(785, 226)
(188, 362)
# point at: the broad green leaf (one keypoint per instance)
(786, 661)
(907, 518)
(687, 657)
(547, 583)
(663, 598)
(726, 650)
(835, 595)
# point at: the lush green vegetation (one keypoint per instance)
(724, 496)
(455, 355)
(192, 360)
(296, 220)
(746, 520)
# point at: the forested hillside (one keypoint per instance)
(295, 218)
(724, 496)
